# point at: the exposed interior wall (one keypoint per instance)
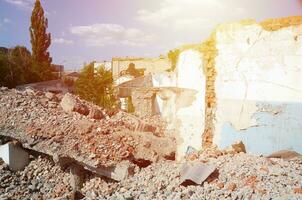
(259, 86)
(179, 97)
(143, 102)
(191, 105)
(243, 83)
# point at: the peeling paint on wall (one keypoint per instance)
(259, 86)
(244, 83)
(272, 133)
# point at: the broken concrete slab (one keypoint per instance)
(121, 171)
(285, 154)
(97, 145)
(14, 156)
(196, 172)
(70, 104)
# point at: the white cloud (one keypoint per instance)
(188, 14)
(188, 21)
(111, 34)
(6, 20)
(22, 3)
(3, 23)
(62, 41)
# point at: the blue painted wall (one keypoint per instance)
(274, 132)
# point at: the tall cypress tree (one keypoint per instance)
(40, 42)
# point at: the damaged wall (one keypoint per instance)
(181, 100)
(259, 85)
(191, 106)
(243, 83)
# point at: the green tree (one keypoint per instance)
(20, 58)
(4, 69)
(40, 42)
(15, 67)
(96, 86)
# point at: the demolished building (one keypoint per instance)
(244, 83)
(74, 132)
(241, 84)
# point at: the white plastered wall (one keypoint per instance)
(191, 105)
(258, 87)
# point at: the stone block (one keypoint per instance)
(120, 172)
(71, 104)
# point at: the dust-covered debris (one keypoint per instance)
(41, 179)
(101, 138)
(105, 139)
(238, 176)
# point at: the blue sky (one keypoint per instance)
(86, 30)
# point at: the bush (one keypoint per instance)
(96, 86)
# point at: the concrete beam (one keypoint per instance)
(14, 156)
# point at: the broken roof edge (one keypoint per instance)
(272, 24)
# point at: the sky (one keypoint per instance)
(97, 30)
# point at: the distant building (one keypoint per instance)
(106, 64)
(73, 75)
(57, 70)
(123, 79)
(147, 65)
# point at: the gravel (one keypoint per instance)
(41, 179)
(239, 176)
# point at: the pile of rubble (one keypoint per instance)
(115, 155)
(41, 179)
(237, 176)
(65, 126)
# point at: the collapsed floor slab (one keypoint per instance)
(100, 146)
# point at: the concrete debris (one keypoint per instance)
(191, 154)
(49, 95)
(239, 147)
(239, 177)
(41, 179)
(196, 172)
(123, 171)
(14, 156)
(70, 104)
(285, 154)
(231, 187)
(3, 88)
(42, 125)
(74, 155)
(235, 180)
(95, 113)
(29, 91)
